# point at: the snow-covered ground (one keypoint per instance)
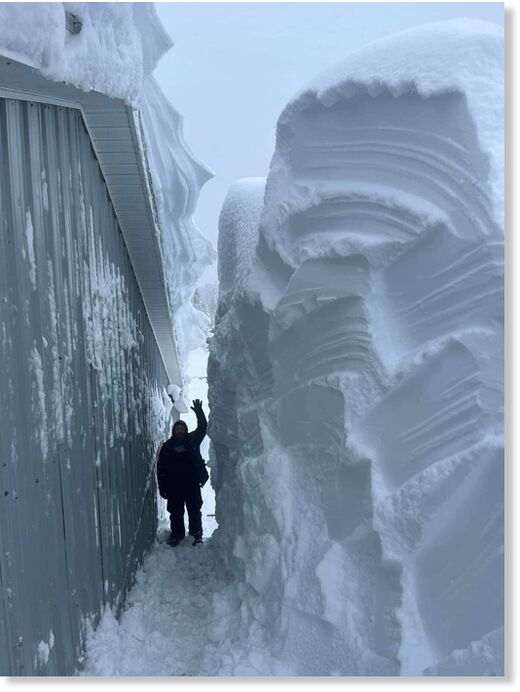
(169, 614)
(185, 616)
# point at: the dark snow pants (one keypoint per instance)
(190, 494)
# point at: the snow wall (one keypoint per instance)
(356, 367)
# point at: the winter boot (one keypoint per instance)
(197, 538)
(174, 540)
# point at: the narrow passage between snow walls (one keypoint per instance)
(355, 385)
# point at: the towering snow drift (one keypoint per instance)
(356, 369)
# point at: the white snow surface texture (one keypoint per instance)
(115, 53)
(117, 46)
(356, 367)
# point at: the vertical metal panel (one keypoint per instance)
(78, 365)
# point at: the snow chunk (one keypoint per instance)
(39, 406)
(43, 653)
(43, 650)
(29, 239)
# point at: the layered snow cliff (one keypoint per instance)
(356, 366)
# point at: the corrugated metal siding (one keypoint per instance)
(79, 374)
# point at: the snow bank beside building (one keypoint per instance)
(356, 370)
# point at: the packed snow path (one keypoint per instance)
(166, 619)
(185, 616)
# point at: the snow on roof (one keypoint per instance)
(117, 43)
(463, 55)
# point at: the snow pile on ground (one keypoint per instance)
(356, 368)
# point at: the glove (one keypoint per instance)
(197, 405)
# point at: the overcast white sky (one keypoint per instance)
(235, 65)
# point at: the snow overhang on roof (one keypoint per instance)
(115, 132)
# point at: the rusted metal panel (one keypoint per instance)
(79, 364)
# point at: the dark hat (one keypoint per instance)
(180, 422)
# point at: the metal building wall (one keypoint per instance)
(81, 381)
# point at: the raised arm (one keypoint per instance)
(202, 423)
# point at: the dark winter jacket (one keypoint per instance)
(169, 473)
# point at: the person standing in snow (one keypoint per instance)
(181, 473)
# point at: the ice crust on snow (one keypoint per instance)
(356, 366)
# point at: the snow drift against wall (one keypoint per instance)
(356, 369)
